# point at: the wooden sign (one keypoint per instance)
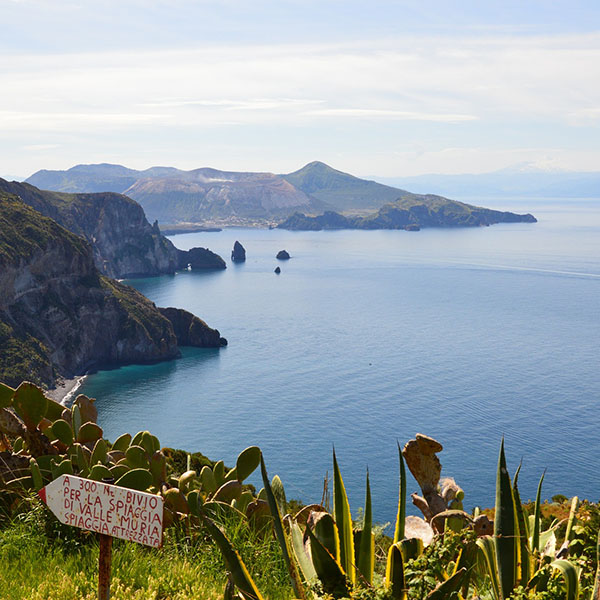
(107, 509)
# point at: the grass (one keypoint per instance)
(40, 559)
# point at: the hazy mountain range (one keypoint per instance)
(171, 195)
(520, 180)
(207, 195)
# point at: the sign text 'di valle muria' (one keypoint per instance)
(107, 509)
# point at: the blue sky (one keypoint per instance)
(377, 88)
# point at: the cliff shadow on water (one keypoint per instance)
(107, 382)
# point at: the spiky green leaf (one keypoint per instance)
(343, 519)
(506, 529)
(401, 514)
(366, 549)
(570, 574)
(280, 533)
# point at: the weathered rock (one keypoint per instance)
(283, 255)
(277, 270)
(192, 331)
(199, 258)
(238, 254)
(421, 459)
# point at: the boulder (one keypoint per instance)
(277, 270)
(283, 255)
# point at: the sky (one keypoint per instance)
(380, 88)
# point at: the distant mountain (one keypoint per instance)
(174, 196)
(410, 214)
(94, 178)
(521, 180)
(209, 194)
(342, 191)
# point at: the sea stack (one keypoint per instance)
(238, 254)
(283, 255)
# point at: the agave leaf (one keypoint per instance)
(571, 521)
(411, 548)
(234, 562)
(343, 519)
(280, 533)
(401, 514)
(366, 548)
(525, 564)
(394, 573)
(326, 531)
(279, 493)
(506, 529)
(570, 574)
(329, 571)
(302, 556)
(535, 536)
(487, 549)
(451, 585)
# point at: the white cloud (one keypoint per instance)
(496, 81)
(40, 147)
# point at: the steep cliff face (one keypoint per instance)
(58, 315)
(124, 243)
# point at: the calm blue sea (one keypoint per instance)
(368, 337)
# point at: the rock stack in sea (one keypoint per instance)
(238, 254)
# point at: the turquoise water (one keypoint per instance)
(368, 337)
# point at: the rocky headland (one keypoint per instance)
(410, 214)
(123, 242)
(59, 316)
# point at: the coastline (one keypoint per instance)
(65, 391)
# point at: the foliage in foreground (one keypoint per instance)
(306, 553)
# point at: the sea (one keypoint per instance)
(367, 338)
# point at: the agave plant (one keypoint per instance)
(513, 556)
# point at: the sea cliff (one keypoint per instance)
(59, 316)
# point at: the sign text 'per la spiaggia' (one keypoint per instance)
(107, 509)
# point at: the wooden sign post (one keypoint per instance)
(111, 511)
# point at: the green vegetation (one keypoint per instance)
(24, 231)
(224, 540)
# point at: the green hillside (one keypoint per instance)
(341, 190)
